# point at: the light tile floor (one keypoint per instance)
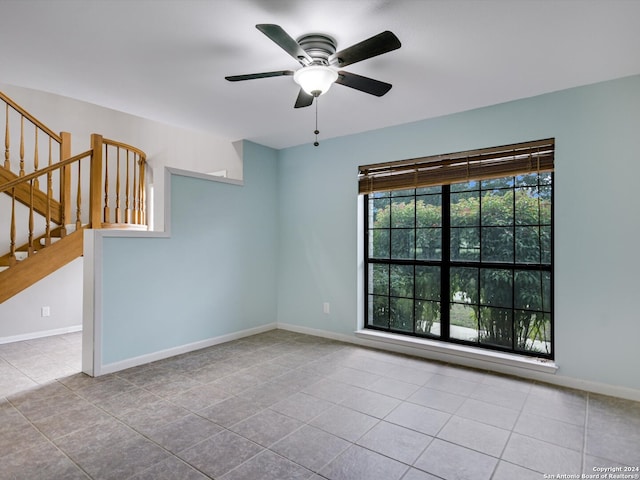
(281, 405)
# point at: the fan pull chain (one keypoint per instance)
(316, 131)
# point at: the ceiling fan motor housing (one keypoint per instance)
(318, 46)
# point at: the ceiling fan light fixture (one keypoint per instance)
(315, 79)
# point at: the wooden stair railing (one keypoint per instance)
(103, 187)
(41, 253)
(36, 138)
(42, 204)
(62, 140)
(123, 185)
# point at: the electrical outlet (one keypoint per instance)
(45, 312)
(326, 308)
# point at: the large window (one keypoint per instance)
(463, 261)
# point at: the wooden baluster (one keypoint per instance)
(47, 237)
(21, 146)
(30, 241)
(7, 163)
(12, 232)
(65, 183)
(143, 199)
(135, 189)
(138, 199)
(127, 211)
(118, 214)
(107, 215)
(35, 160)
(79, 199)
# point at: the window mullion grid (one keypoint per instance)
(389, 264)
(539, 220)
(415, 251)
(446, 262)
(513, 271)
(445, 273)
(480, 262)
(366, 259)
(541, 274)
(480, 222)
(368, 234)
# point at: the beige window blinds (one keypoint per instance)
(482, 164)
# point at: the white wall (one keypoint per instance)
(165, 145)
(20, 316)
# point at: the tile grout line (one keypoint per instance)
(123, 423)
(49, 440)
(228, 429)
(511, 432)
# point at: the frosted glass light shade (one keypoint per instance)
(315, 79)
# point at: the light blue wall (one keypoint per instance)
(215, 275)
(277, 248)
(597, 226)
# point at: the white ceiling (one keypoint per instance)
(166, 59)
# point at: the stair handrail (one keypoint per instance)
(115, 143)
(43, 171)
(31, 118)
(134, 213)
(63, 140)
(134, 200)
(13, 186)
(99, 183)
(122, 207)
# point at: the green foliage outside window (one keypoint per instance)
(504, 222)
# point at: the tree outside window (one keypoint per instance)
(468, 262)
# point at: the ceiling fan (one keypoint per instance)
(321, 63)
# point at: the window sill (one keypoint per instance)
(477, 356)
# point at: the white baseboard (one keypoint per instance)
(190, 347)
(380, 344)
(318, 333)
(473, 362)
(40, 334)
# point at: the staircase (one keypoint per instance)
(48, 197)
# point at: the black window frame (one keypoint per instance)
(446, 264)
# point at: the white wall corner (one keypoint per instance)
(91, 303)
